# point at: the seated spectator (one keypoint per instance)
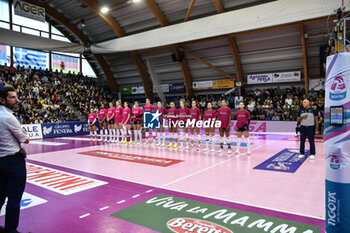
(276, 117)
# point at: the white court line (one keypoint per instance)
(85, 215)
(196, 194)
(137, 195)
(148, 191)
(48, 143)
(212, 166)
(104, 208)
(74, 139)
(120, 202)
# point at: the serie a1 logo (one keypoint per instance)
(338, 88)
(335, 162)
(184, 225)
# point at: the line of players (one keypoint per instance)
(118, 121)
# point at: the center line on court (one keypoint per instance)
(103, 208)
(212, 166)
(85, 215)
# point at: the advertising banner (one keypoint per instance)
(125, 91)
(33, 130)
(238, 99)
(337, 143)
(165, 213)
(223, 84)
(177, 87)
(28, 10)
(51, 130)
(138, 90)
(259, 78)
(286, 77)
(164, 87)
(205, 85)
(65, 63)
(268, 126)
(316, 84)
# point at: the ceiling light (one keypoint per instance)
(135, 1)
(104, 10)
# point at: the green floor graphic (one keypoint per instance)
(166, 213)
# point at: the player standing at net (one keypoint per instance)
(149, 108)
(137, 119)
(118, 120)
(224, 115)
(173, 115)
(183, 116)
(243, 118)
(111, 122)
(102, 115)
(195, 114)
(210, 115)
(92, 125)
(161, 133)
(126, 123)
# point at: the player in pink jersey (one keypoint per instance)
(137, 119)
(195, 114)
(92, 125)
(224, 115)
(102, 116)
(173, 115)
(210, 115)
(111, 122)
(149, 108)
(183, 116)
(243, 119)
(126, 123)
(118, 120)
(161, 133)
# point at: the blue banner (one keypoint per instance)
(51, 130)
(27, 57)
(285, 161)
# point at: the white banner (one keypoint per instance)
(138, 90)
(29, 10)
(286, 77)
(259, 78)
(238, 99)
(316, 84)
(204, 85)
(165, 88)
(33, 130)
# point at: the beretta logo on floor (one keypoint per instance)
(184, 225)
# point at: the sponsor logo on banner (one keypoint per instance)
(335, 162)
(180, 215)
(64, 183)
(238, 100)
(29, 10)
(138, 90)
(157, 161)
(204, 85)
(223, 84)
(177, 87)
(184, 225)
(27, 201)
(151, 120)
(338, 88)
(286, 77)
(285, 161)
(164, 87)
(254, 126)
(332, 209)
(259, 78)
(34, 131)
(64, 129)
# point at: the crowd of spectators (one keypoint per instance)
(40, 92)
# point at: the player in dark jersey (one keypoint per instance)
(242, 117)
(224, 115)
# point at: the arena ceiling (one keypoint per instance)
(292, 47)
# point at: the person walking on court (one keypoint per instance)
(308, 127)
(13, 172)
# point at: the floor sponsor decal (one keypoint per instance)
(28, 200)
(285, 161)
(157, 161)
(58, 181)
(165, 213)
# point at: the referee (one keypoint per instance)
(308, 119)
(12, 159)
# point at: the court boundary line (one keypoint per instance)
(191, 193)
